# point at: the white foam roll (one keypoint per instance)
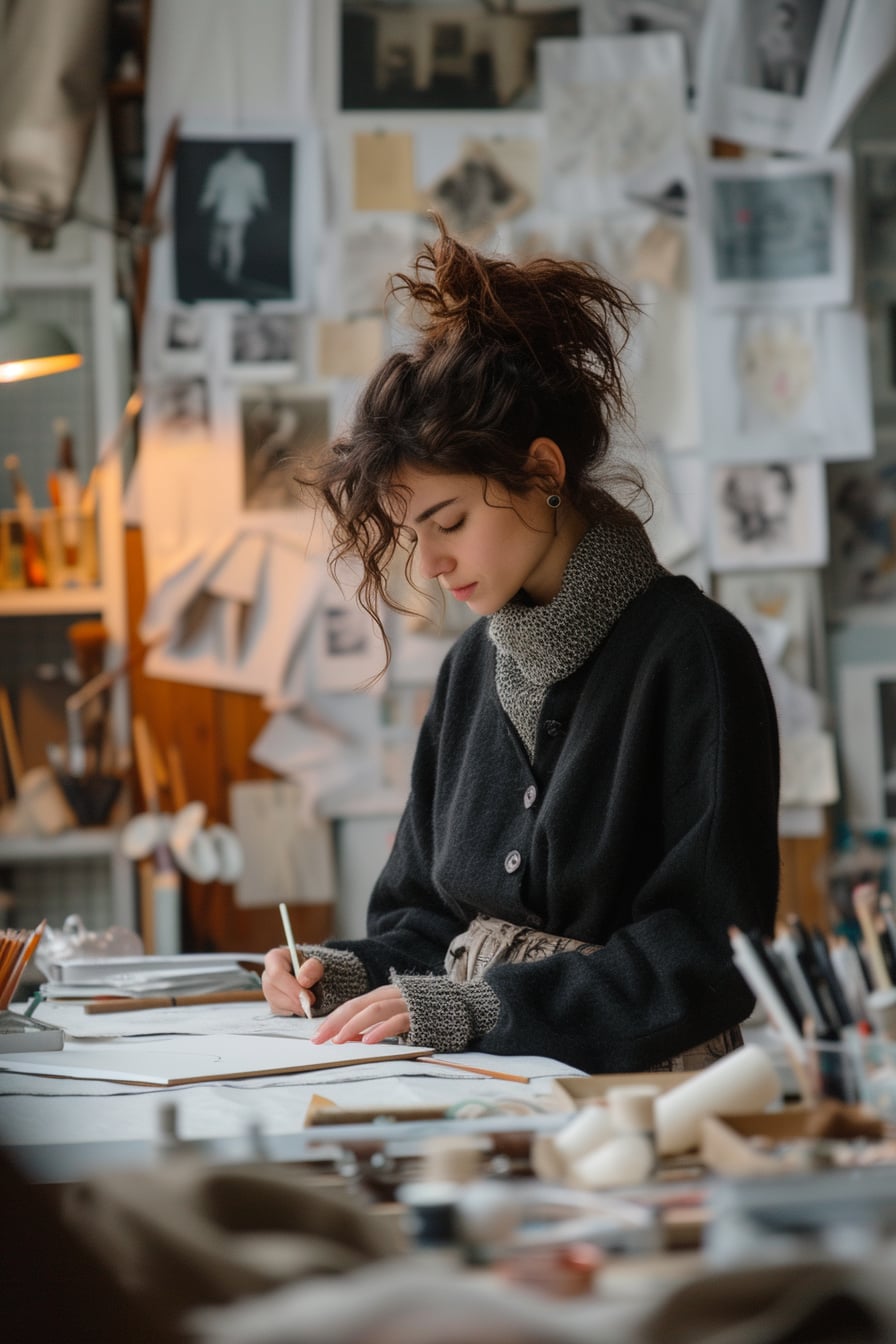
(589, 1127)
(882, 1011)
(626, 1160)
(744, 1081)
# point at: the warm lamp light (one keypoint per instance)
(30, 349)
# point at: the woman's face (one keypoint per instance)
(482, 550)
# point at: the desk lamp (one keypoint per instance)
(30, 349)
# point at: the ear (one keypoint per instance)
(547, 462)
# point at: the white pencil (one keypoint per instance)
(296, 958)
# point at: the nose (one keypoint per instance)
(433, 558)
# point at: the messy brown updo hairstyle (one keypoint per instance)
(506, 353)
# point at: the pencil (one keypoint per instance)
(14, 969)
(296, 958)
(175, 1001)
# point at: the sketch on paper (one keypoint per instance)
(370, 254)
(475, 194)
(861, 578)
(684, 17)
(180, 405)
(429, 55)
(782, 384)
(767, 515)
(614, 109)
(776, 230)
(284, 429)
(264, 338)
(234, 219)
(877, 197)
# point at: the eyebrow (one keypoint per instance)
(433, 508)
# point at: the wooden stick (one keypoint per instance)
(11, 740)
(146, 771)
(177, 781)
(863, 900)
(176, 1001)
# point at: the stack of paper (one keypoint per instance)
(202, 973)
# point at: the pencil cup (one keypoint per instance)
(874, 1065)
(881, 1004)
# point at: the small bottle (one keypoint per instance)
(65, 494)
(33, 560)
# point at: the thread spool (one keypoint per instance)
(453, 1158)
(631, 1106)
(744, 1081)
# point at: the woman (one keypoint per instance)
(594, 793)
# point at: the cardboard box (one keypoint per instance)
(729, 1146)
(574, 1092)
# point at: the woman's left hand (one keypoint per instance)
(369, 1018)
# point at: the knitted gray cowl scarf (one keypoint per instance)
(538, 646)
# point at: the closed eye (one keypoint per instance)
(453, 528)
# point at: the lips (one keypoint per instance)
(462, 594)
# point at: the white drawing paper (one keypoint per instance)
(866, 706)
(287, 856)
(775, 230)
(614, 106)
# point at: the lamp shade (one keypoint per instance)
(30, 349)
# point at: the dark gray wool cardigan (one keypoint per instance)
(653, 828)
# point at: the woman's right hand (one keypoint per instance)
(281, 988)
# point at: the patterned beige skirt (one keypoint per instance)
(491, 942)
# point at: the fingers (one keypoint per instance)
(371, 1017)
(281, 989)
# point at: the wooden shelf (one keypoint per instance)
(86, 842)
(51, 601)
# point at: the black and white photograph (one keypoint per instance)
(766, 70)
(877, 204)
(284, 429)
(180, 405)
(429, 55)
(475, 194)
(184, 330)
(861, 578)
(234, 219)
(767, 515)
(776, 230)
(867, 704)
(268, 340)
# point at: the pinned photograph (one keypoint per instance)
(180, 405)
(767, 515)
(766, 70)
(861, 578)
(867, 706)
(234, 219)
(430, 55)
(284, 429)
(184, 330)
(264, 341)
(475, 194)
(877, 204)
(775, 231)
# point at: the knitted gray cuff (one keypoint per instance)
(445, 1015)
(344, 978)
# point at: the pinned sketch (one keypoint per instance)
(264, 344)
(785, 383)
(286, 857)
(347, 649)
(475, 194)
(384, 171)
(876, 171)
(179, 406)
(330, 763)
(767, 516)
(351, 349)
(284, 430)
(775, 231)
(861, 577)
(614, 107)
(371, 252)
(206, 629)
(452, 56)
